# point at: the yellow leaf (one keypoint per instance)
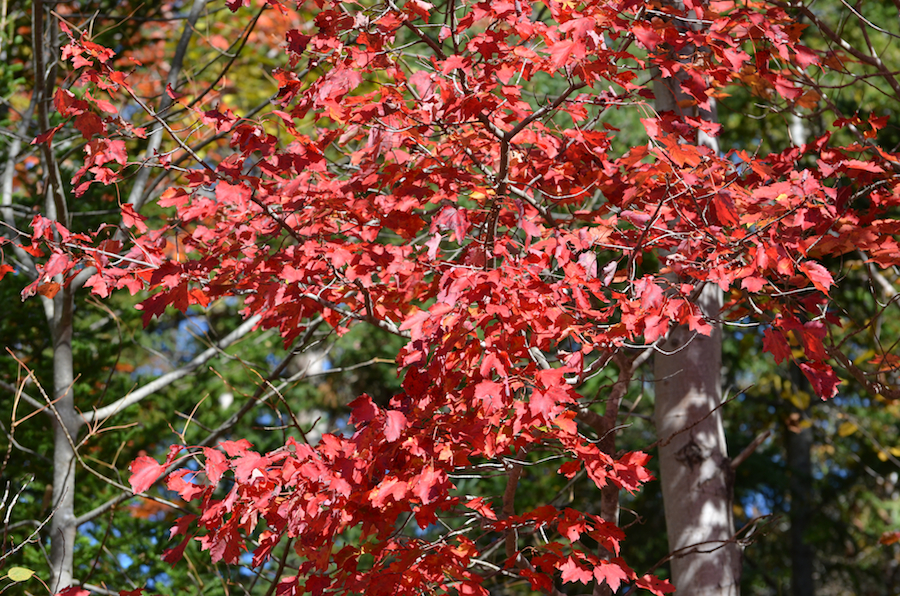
(478, 195)
(882, 456)
(800, 399)
(20, 574)
(846, 429)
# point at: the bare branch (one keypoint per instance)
(136, 197)
(170, 377)
(28, 399)
(749, 449)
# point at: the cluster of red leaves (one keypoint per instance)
(425, 195)
(387, 470)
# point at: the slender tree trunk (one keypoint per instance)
(695, 470)
(67, 421)
(66, 424)
(799, 460)
(694, 466)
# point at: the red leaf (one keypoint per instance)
(454, 219)
(560, 53)
(822, 378)
(490, 362)
(173, 555)
(753, 284)
(804, 56)
(725, 209)
(611, 573)
(572, 571)
(247, 466)
(391, 487)
(864, 166)
(144, 472)
(570, 468)
(812, 336)
(818, 275)
(394, 425)
(216, 464)
(74, 591)
(132, 218)
(48, 290)
(490, 394)
(646, 36)
(470, 588)
(572, 525)
(660, 587)
(57, 264)
(541, 403)
(420, 8)
(775, 344)
(89, 124)
(47, 137)
(362, 410)
(429, 484)
(235, 448)
(479, 505)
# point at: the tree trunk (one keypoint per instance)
(66, 423)
(694, 466)
(695, 470)
(799, 446)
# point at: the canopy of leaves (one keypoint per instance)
(450, 175)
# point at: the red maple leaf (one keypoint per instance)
(653, 584)
(146, 470)
(573, 571)
(394, 425)
(613, 574)
(775, 343)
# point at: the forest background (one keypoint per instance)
(815, 503)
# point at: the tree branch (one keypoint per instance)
(28, 399)
(136, 196)
(170, 377)
(749, 449)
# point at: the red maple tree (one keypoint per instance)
(414, 176)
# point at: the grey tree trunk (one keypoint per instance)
(66, 423)
(695, 470)
(694, 467)
(59, 310)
